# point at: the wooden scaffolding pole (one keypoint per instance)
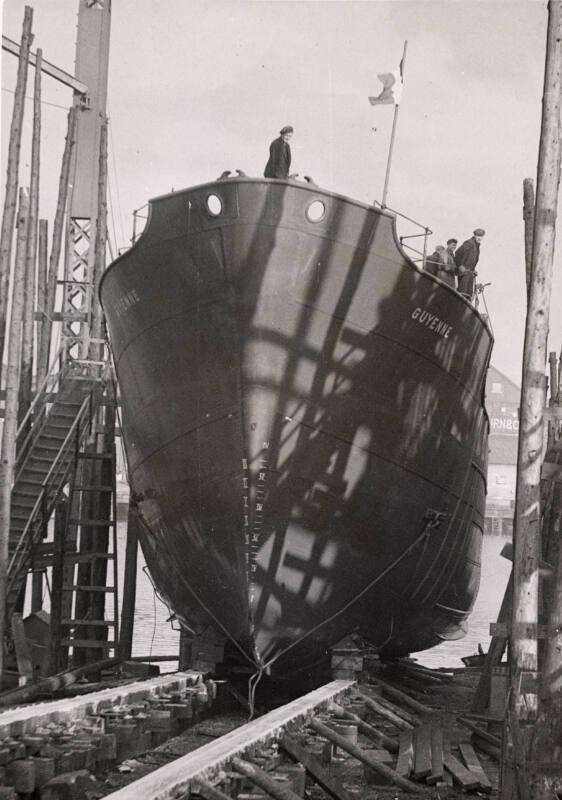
(26, 379)
(129, 584)
(12, 180)
(524, 662)
(8, 452)
(545, 767)
(58, 229)
(529, 218)
(42, 262)
(100, 247)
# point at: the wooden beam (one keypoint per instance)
(529, 220)
(437, 750)
(363, 756)
(23, 655)
(495, 652)
(314, 768)
(49, 69)
(502, 630)
(128, 605)
(367, 728)
(9, 431)
(464, 777)
(402, 696)
(472, 763)
(12, 178)
(406, 754)
(523, 644)
(422, 752)
(386, 713)
(260, 778)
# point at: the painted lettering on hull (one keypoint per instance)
(432, 321)
(125, 302)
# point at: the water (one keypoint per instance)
(495, 574)
(154, 634)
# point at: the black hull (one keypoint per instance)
(304, 423)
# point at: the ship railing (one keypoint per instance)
(424, 231)
(139, 214)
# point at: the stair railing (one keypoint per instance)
(29, 428)
(52, 485)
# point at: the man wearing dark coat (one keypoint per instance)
(466, 259)
(442, 263)
(279, 161)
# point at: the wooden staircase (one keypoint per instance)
(50, 456)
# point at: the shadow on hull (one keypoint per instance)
(304, 424)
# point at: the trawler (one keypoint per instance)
(304, 422)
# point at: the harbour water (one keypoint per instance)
(155, 634)
(495, 574)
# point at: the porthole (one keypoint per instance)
(214, 205)
(315, 211)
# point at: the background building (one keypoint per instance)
(502, 403)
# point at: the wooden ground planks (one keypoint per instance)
(463, 776)
(422, 752)
(437, 743)
(405, 754)
(473, 764)
(425, 756)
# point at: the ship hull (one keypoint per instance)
(304, 424)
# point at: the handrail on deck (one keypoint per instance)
(426, 231)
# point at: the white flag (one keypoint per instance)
(392, 89)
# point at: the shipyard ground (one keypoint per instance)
(148, 748)
(449, 701)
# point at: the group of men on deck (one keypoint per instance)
(457, 269)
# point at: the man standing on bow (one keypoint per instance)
(279, 161)
(466, 259)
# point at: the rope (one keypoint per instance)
(252, 686)
(431, 523)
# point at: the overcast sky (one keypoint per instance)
(199, 87)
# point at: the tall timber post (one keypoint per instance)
(75, 396)
(92, 60)
(82, 325)
(524, 694)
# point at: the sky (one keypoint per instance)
(199, 87)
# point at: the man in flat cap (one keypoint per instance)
(279, 161)
(466, 259)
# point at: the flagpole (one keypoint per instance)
(392, 135)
